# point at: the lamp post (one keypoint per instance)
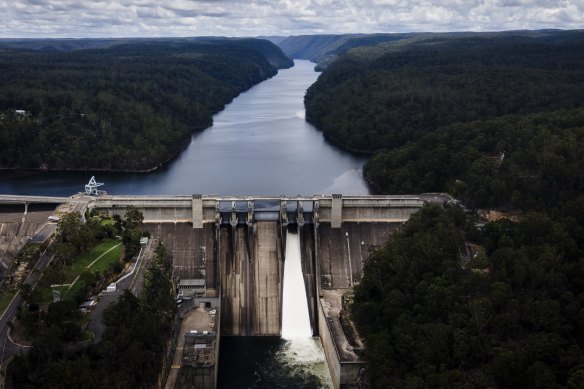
(350, 265)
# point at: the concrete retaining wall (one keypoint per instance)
(332, 359)
(344, 375)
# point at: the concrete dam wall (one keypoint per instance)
(251, 265)
(238, 245)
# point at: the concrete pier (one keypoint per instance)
(310, 271)
(236, 282)
(343, 251)
(268, 271)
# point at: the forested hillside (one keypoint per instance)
(519, 162)
(511, 318)
(127, 107)
(391, 103)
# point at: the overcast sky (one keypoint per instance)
(133, 18)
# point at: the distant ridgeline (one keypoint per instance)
(495, 117)
(323, 49)
(119, 104)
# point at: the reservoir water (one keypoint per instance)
(259, 144)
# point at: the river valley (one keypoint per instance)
(259, 144)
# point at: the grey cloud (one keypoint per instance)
(102, 18)
(192, 13)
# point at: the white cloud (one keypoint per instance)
(104, 18)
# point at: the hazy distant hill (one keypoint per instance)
(60, 44)
(134, 105)
(263, 45)
(324, 49)
(275, 39)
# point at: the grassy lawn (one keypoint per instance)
(88, 261)
(82, 262)
(5, 300)
(111, 257)
(91, 262)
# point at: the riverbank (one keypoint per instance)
(259, 144)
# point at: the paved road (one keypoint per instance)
(44, 233)
(133, 282)
(8, 348)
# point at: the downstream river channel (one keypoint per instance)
(259, 145)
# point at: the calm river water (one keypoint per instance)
(258, 145)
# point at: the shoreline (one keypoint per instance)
(7, 173)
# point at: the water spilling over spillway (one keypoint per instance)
(295, 317)
(302, 354)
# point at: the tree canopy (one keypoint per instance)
(131, 106)
(515, 319)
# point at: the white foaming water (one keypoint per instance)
(302, 353)
(295, 318)
(305, 358)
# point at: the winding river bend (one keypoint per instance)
(259, 144)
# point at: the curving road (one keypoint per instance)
(8, 347)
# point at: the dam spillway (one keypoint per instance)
(238, 244)
(251, 268)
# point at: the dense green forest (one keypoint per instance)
(515, 162)
(498, 121)
(126, 107)
(455, 105)
(512, 318)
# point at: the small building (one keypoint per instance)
(191, 287)
(199, 349)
